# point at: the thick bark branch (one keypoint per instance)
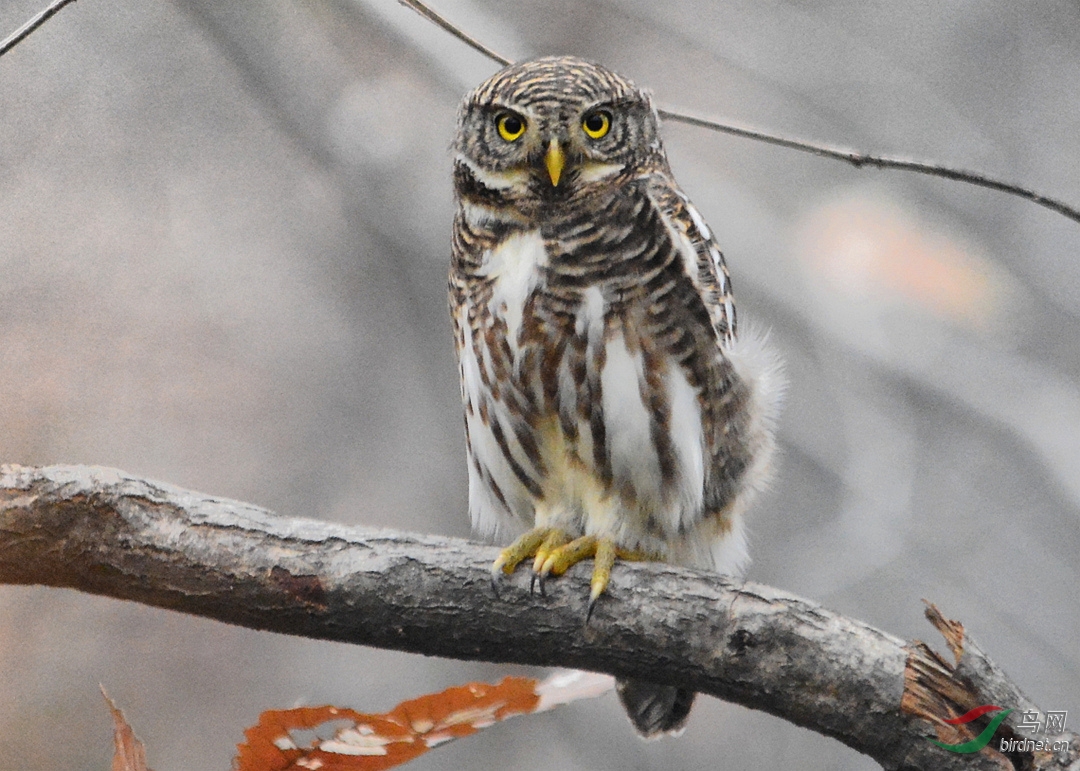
(101, 531)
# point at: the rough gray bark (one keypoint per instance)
(101, 531)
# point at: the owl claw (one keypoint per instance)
(592, 607)
(537, 580)
(524, 547)
(603, 562)
(554, 553)
(537, 543)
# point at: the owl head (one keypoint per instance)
(551, 128)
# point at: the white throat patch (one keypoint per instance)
(515, 265)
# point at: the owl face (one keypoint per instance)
(550, 127)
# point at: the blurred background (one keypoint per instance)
(224, 234)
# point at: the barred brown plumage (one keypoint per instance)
(610, 408)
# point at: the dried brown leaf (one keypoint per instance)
(363, 742)
(129, 753)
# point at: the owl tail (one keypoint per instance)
(655, 709)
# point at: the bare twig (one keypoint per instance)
(457, 32)
(101, 531)
(25, 30)
(857, 159)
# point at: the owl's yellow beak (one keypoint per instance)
(554, 160)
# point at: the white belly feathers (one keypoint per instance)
(637, 509)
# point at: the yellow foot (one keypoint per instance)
(554, 553)
(539, 540)
(604, 553)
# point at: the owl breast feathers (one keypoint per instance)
(604, 387)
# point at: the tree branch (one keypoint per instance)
(858, 160)
(447, 26)
(102, 531)
(29, 27)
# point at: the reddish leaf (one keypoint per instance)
(129, 755)
(375, 742)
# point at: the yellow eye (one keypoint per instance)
(511, 127)
(597, 124)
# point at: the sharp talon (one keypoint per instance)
(545, 567)
(592, 607)
(553, 552)
(597, 588)
(497, 574)
(603, 561)
(538, 562)
(524, 547)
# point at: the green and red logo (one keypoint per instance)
(982, 739)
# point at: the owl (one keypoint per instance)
(611, 411)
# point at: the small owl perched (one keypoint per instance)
(609, 409)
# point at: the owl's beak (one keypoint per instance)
(554, 160)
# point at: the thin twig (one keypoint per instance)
(857, 159)
(441, 21)
(25, 30)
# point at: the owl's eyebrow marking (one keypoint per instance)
(493, 109)
(856, 159)
(613, 105)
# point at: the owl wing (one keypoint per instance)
(504, 465)
(727, 392)
(711, 275)
(740, 410)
